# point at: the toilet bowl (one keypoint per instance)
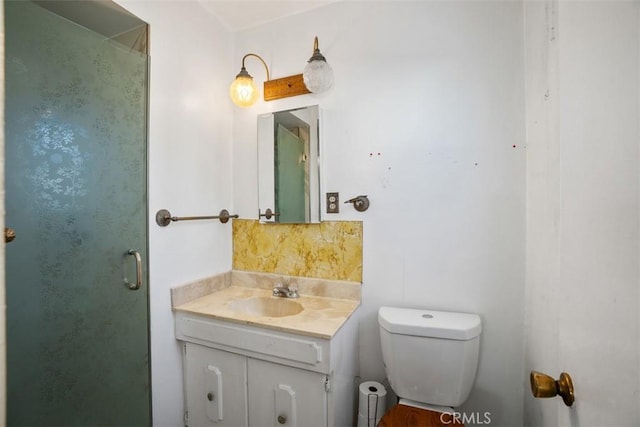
(430, 358)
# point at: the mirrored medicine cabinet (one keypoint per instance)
(289, 166)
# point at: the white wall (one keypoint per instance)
(189, 172)
(583, 132)
(427, 118)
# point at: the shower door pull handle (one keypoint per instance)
(135, 286)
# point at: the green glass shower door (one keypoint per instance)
(78, 341)
(290, 177)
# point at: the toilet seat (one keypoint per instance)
(408, 416)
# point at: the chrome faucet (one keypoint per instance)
(285, 291)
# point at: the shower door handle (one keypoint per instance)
(136, 285)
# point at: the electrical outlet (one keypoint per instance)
(333, 203)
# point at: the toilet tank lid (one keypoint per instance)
(430, 323)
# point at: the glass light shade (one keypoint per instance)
(243, 91)
(318, 76)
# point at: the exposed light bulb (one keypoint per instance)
(243, 90)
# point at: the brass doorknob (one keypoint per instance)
(542, 385)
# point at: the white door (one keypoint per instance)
(281, 396)
(216, 383)
(583, 131)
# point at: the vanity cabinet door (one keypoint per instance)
(215, 387)
(282, 396)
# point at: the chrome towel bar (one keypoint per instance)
(164, 218)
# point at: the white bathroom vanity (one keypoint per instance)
(252, 359)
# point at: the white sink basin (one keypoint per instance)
(266, 306)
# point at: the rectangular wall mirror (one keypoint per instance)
(289, 166)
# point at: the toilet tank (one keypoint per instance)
(430, 356)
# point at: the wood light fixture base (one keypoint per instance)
(284, 87)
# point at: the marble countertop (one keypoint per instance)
(321, 316)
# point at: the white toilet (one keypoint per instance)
(430, 357)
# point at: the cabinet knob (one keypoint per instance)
(282, 419)
(210, 396)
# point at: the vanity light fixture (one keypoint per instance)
(243, 90)
(318, 75)
(317, 78)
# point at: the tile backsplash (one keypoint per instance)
(329, 250)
